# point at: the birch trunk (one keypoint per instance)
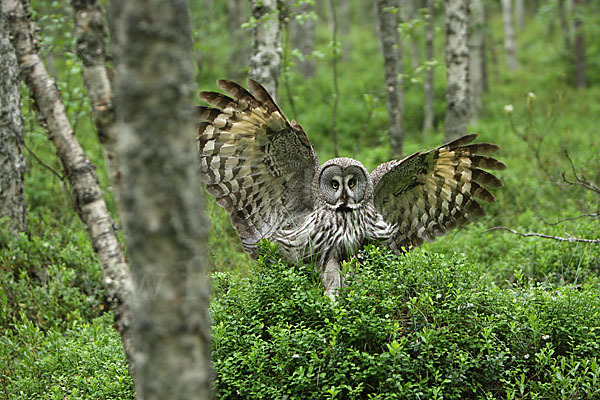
(428, 84)
(13, 163)
(520, 13)
(161, 209)
(89, 202)
(580, 61)
(237, 14)
(510, 46)
(390, 45)
(457, 66)
(90, 34)
(476, 54)
(408, 13)
(265, 62)
(302, 33)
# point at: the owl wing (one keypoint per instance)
(257, 164)
(429, 193)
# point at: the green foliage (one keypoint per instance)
(421, 326)
(52, 279)
(82, 360)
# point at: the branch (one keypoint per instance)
(571, 219)
(88, 200)
(558, 238)
(581, 180)
(54, 172)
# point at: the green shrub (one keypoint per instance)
(421, 326)
(83, 361)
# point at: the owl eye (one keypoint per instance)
(351, 183)
(335, 185)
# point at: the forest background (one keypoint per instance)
(473, 315)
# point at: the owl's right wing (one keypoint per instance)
(429, 193)
(257, 164)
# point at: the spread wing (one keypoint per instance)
(429, 193)
(256, 163)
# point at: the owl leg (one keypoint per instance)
(330, 276)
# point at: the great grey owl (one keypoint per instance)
(263, 170)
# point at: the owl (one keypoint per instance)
(262, 169)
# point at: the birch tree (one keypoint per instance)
(457, 67)
(510, 46)
(408, 11)
(13, 163)
(520, 13)
(428, 84)
(237, 14)
(579, 46)
(390, 44)
(476, 55)
(88, 202)
(302, 32)
(161, 208)
(265, 62)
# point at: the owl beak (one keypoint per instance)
(344, 196)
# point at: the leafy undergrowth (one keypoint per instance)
(421, 326)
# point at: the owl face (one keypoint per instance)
(343, 188)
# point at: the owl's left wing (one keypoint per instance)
(429, 193)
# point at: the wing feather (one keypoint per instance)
(257, 164)
(429, 193)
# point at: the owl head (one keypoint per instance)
(342, 184)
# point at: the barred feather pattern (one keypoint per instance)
(327, 233)
(432, 192)
(257, 164)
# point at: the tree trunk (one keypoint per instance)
(457, 65)
(485, 73)
(580, 62)
(13, 163)
(302, 32)
(510, 46)
(476, 55)
(408, 13)
(564, 26)
(162, 207)
(520, 13)
(237, 13)
(265, 62)
(89, 202)
(90, 34)
(390, 45)
(429, 54)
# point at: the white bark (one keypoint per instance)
(13, 163)
(510, 46)
(265, 62)
(457, 66)
(428, 84)
(476, 54)
(161, 208)
(391, 47)
(520, 13)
